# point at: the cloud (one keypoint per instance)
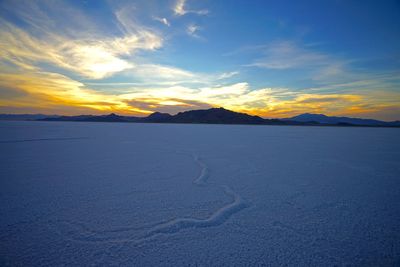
(228, 95)
(148, 75)
(361, 82)
(287, 55)
(154, 75)
(319, 99)
(10, 93)
(317, 67)
(227, 75)
(224, 92)
(179, 7)
(50, 50)
(91, 58)
(237, 96)
(330, 104)
(180, 10)
(155, 71)
(168, 105)
(54, 93)
(163, 21)
(49, 91)
(62, 36)
(267, 102)
(192, 30)
(91, 61)
(52, 16)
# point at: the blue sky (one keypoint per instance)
(270, 58)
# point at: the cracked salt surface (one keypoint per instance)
(173, 195)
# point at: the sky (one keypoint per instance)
(269, 58)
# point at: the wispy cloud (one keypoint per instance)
(192, 30)
(316, 66)
(53, 16)
(227, 75)
(90, 58)
(163, 74)
(180, 9)
(52, 93)
(91, 55)
(287, 55)
(163, 21)
(169, 105)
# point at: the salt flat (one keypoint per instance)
(171, 195)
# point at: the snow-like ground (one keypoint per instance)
(209, 195)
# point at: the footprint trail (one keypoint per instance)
(82, 233)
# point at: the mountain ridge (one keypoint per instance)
(324, 119)
(211, 116)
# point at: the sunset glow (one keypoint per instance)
(137, 57)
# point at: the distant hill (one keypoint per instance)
(158, 117)
(24, 117)
(323, 119)
(212, 116)
(216, 115)
(100, 118)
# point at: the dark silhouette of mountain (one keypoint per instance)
(157, 117)
(114, 118)
(323, 119)
(213, 116)
(101, 118)
(217, 116)
(24, 117)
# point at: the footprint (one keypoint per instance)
(81, 233)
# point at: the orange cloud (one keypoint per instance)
(55, 93)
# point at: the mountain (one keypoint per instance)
(24, 117)
(101, 118)
(158, 117)
(212, 116)
(323, 119)
(215, 115)
(219, 116)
